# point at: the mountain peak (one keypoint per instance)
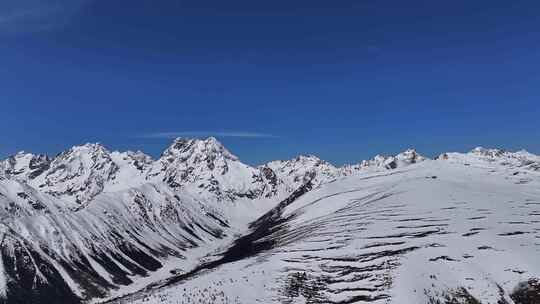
(407, 157)
(205, 163)
(90, 147)
(79, 173)
(24, 165)
(185, 148)
(410, 151)
(303, 158)
(487, 152)
(410, 155)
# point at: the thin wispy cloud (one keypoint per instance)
(22, 16)
(240, 134)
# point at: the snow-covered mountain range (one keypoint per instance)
(89, 225)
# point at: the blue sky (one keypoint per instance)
(271, 79)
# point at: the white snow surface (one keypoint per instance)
(121, 226)
(459, 228)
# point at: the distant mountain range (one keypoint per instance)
(204, 167)
(90, 224)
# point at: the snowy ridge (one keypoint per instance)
(381, 162)
(204, 167)
(511, 160)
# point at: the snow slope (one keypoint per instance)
(464, 228)
(197, 224)
(64, 253)
(90, 223)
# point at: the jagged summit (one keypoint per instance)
(490, 152)
(24, 165)
(206, 167)
(405, 158)
(91, 150)
(197, 149)
(308, 157)
(79, 173)
(409, 156)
